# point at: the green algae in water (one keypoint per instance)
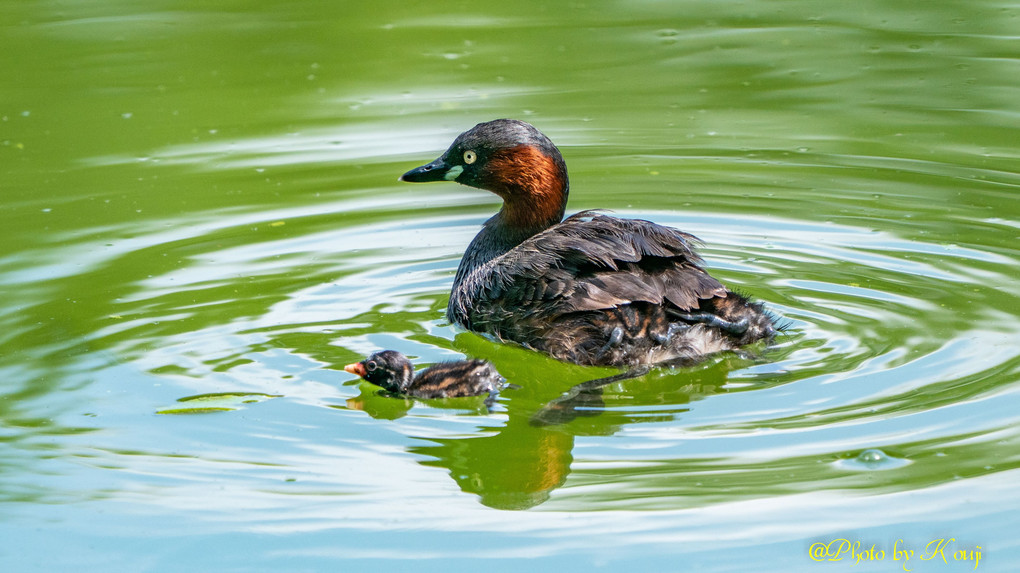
(180, 411)
(218, 402)
(245, 397)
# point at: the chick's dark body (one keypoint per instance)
(393, 372)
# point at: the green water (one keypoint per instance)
(201, 216)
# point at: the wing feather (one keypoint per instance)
(592, 261)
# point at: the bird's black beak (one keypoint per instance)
(438, 170)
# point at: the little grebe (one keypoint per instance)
(590, 289)
(393, 372)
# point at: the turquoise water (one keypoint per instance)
(202, 225)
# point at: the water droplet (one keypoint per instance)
(871, 456)
(872, 459)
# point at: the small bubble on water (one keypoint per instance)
(871, 456)
(872, 459)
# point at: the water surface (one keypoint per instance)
(202, 225)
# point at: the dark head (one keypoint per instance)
(511, 159)
(389, 369)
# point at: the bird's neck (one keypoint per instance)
(534, 187)
(514, 224)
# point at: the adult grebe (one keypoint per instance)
(590, 289)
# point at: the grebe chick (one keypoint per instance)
(590, 289)
(393, 372)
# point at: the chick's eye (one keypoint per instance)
(470, 157)
(371, 365)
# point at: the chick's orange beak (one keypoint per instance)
(356, 368)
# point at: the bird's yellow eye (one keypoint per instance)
(470, 157)
(371, 365)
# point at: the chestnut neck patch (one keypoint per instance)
(533, 186)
